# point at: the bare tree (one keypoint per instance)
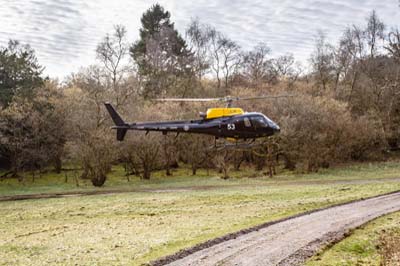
(347, 55)
(214, 50)
(113, 52)
(231, 58)
(257, 66)
(169, 152)
(215, 54)
(199, 38)
(374, 33)
(146, 150)
(89, 137)
(91, 141)
(285, 68)
(394, 44)
(221, 161)
(322, 61)
(195, 150)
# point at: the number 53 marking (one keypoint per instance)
(231, 126)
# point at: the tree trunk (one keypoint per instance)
(85, 173)
(167, 156)
(146, 173)
(238, 161)
(58, 165)
(99, 180)
(76, 178)
(225, 172)
(194, 169)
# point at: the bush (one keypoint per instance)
(96, 156)
(318, 131)
(389, 243)
(141, 153)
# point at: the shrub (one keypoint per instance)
(389, 243)
(319, 131)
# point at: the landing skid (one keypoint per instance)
(237, 145)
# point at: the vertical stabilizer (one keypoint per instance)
(120, 125)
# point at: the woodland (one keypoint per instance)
(346, 104)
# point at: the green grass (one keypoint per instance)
(51, 182)
(134, 228)
(361, 247)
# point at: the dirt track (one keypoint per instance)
(292, 241)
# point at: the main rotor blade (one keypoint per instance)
(228, 99)
(189, 99)
(263, 97)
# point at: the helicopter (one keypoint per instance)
(229, 123)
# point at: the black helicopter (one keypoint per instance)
(229, 123)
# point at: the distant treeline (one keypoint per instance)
(347, 105)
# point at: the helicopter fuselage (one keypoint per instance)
(245, 126)
(240, 126)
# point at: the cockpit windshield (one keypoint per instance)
(259, 122)
(270, 122)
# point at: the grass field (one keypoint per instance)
(65, 182)
(134, 228)
(362, 247)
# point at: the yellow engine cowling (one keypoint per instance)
(221, 112)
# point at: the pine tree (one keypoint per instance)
(161, 54)
(19, 72)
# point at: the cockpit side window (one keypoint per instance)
(247, 122)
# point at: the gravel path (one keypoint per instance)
(292, 241)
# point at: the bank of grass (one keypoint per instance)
(134, 228)
(369, 245)
(51, 182)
